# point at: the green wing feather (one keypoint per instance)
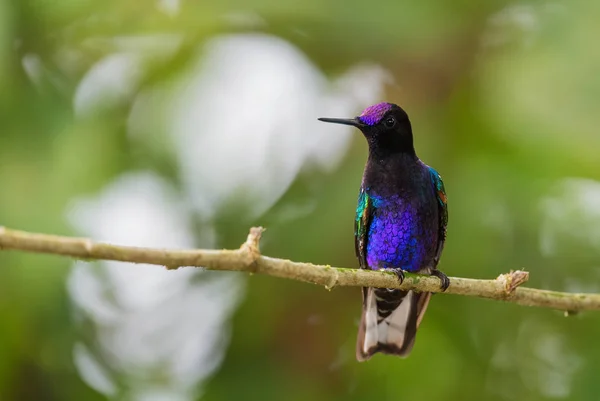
(440, 192)
(364, 212)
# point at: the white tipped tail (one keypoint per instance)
(389, 321)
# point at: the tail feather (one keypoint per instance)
(389, 321)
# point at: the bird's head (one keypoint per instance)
(385, 126)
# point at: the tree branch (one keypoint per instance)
(249, 259)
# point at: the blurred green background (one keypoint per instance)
(180, 123)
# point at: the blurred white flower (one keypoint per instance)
(110, 81)
(521, 89)
(244, 119)
(572, 211)
(115, 78)
(150, 322)
(518, 23)
(515, 18)
(548, 365)
(32, 64)
(169, 7)
(543, 358)
(92, 372)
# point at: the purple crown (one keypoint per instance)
(373, 114)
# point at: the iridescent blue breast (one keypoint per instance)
(402, 234)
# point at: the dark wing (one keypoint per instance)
(364, 214)
(442, 201)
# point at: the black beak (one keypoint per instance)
(355, 122)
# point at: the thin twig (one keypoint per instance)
(248, 258)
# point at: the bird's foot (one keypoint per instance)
(445, 281)
(397, 271)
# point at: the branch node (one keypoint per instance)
(512, 280)
(88, 246)
(251, 248)
(333, 281)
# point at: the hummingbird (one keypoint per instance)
(400, 226)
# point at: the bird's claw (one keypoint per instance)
(399, 273)
(445, 281)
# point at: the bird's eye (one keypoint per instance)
(389, 122)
